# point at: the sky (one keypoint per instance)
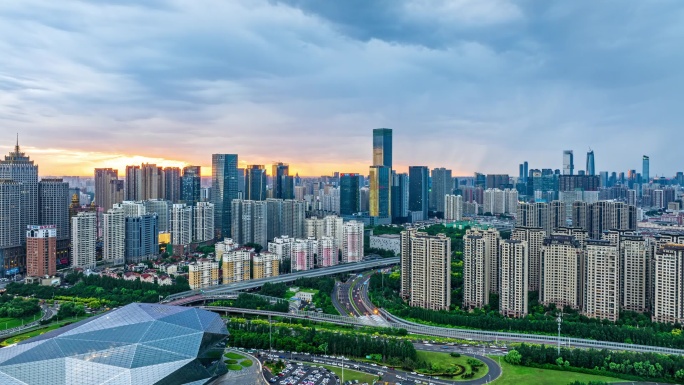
(471, 85)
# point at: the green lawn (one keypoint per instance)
(9, 323)
(234, 367)
(246, 363)
(21, 337)
(352, 374)
(234, 356)
(445, 360)
(515, 375)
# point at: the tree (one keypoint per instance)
(257, 247)
(513, 357)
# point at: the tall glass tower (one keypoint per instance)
(380, 194)
(568, 163)
(418, 191)
(224, 188)
(18, 167)
(645, 176)
(590, 163)
(382, 147)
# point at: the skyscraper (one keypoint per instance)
(645, 173)
(352, 241)
(17, 166)
(133, 183)
(475, 270)
(382, 147)
(418, 192)
(255, 183)
(283, 183)
(590, 163)
(142, 238)
(601, 280)
(349, 194)
(172, 184)
(53, 199)
(181, 224)
(83, 240)
(400, 197)
(561, 271)
(41, 251)
(224, 188)
(108, 188)
(428, 270)
(114, 235)
(525, 171)
(11, 254)
(568, 163)
(453, 208)
(380, 200)
(204, 221)
(191, 185)
(442, 184)
(514, 278)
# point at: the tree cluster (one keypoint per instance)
(17, 307)
(248, 301)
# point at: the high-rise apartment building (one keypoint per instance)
(591, 170)
(418, 192)
(429, 266)
(17, 166)
(498, 181)
(601, 280)
(352, 241)
(223, 247)
(476, 270)
(453, 207)
(224, 188)
(53, 205)
(172, 184)
(236, 265)
(142, 238)
(327, 252)
(514, 281)
(634, 269)
(152, 181)
(265, 265)
(203, 273)
(108, 188)
(283, 183)
(668, 301)
(303, 253)
(250, 222)
(349, 194)
(10, 213)
(204, 221)
(181, 224)
(492, 239)
(557, 216)
(41, 251)
(134, 188)
(534, 236)
(442, 184)
(294, 213)
(608, 215)
(83, 240)
(561, 262)
(274, 222)
(114, 235)
(568, 163)
(314, 227)
(162, 208)
(255, 182)
(191, 185)
(282, 247)
(533, 215)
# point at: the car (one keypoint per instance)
(414, 373)
(444, 347)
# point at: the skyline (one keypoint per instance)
(469, 85)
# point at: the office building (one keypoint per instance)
(302, 254)
(349, 194)
(382, 147)
(591, 170)
(41, 251)
(274, 222)
(294, 213)
(514, 285)
(534, 236)
(203, 273)
(108, 188)
(191, 185)
(498, 181)
(204, 221)
(83, 240)
(442, 184)
(429, 269)
(10, 213)
(17, 166)
(561, 261)
(283, 183)
(601, 280)
(476, 270)
(400, 198)
(255, 182)
(352, 241)
(645, 171)
(181, 224)
(224, 188)
(236, 265)
(250, 222)
(568, 163)
(142, 238)
(634, 263)
(265, 265)
(668, 301)
(418, 192)
(380, 194)
(162, 208)
(453, 208)
(53, 205)
(114, 235)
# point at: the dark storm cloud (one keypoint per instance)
(467, 84)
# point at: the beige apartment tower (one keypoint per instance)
(203, 273)
(634, 268)
(561, 261)
(429, 265)
(265, 265)
(236, 265)
(668, 301)
(492, 238)
(514, 278)
(534, 236)
(475, 270)
(602, 280)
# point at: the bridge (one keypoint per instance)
(256, 283)
(464, 334)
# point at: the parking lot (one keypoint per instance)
(301, 374)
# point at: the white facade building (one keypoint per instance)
(453, 207)
(83, 240)
(113, 238)
(352, 241)
(204, 221)
(181, 224)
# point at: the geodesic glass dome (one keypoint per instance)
(136, 344)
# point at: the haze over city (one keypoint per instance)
(469, 85)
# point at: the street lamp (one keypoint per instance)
(559, 319)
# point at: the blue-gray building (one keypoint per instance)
(142, 238)
(191, 186)
(224, 188)
(349, 194)
(141, 344)
(418, 192)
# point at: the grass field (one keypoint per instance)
(445, 360)
(352, 374)
(234, 356)
(515, 375)
(9, 323)
(21, 337)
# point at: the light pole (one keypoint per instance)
(270, 337)
(559, 320)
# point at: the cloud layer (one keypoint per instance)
(473, 85)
